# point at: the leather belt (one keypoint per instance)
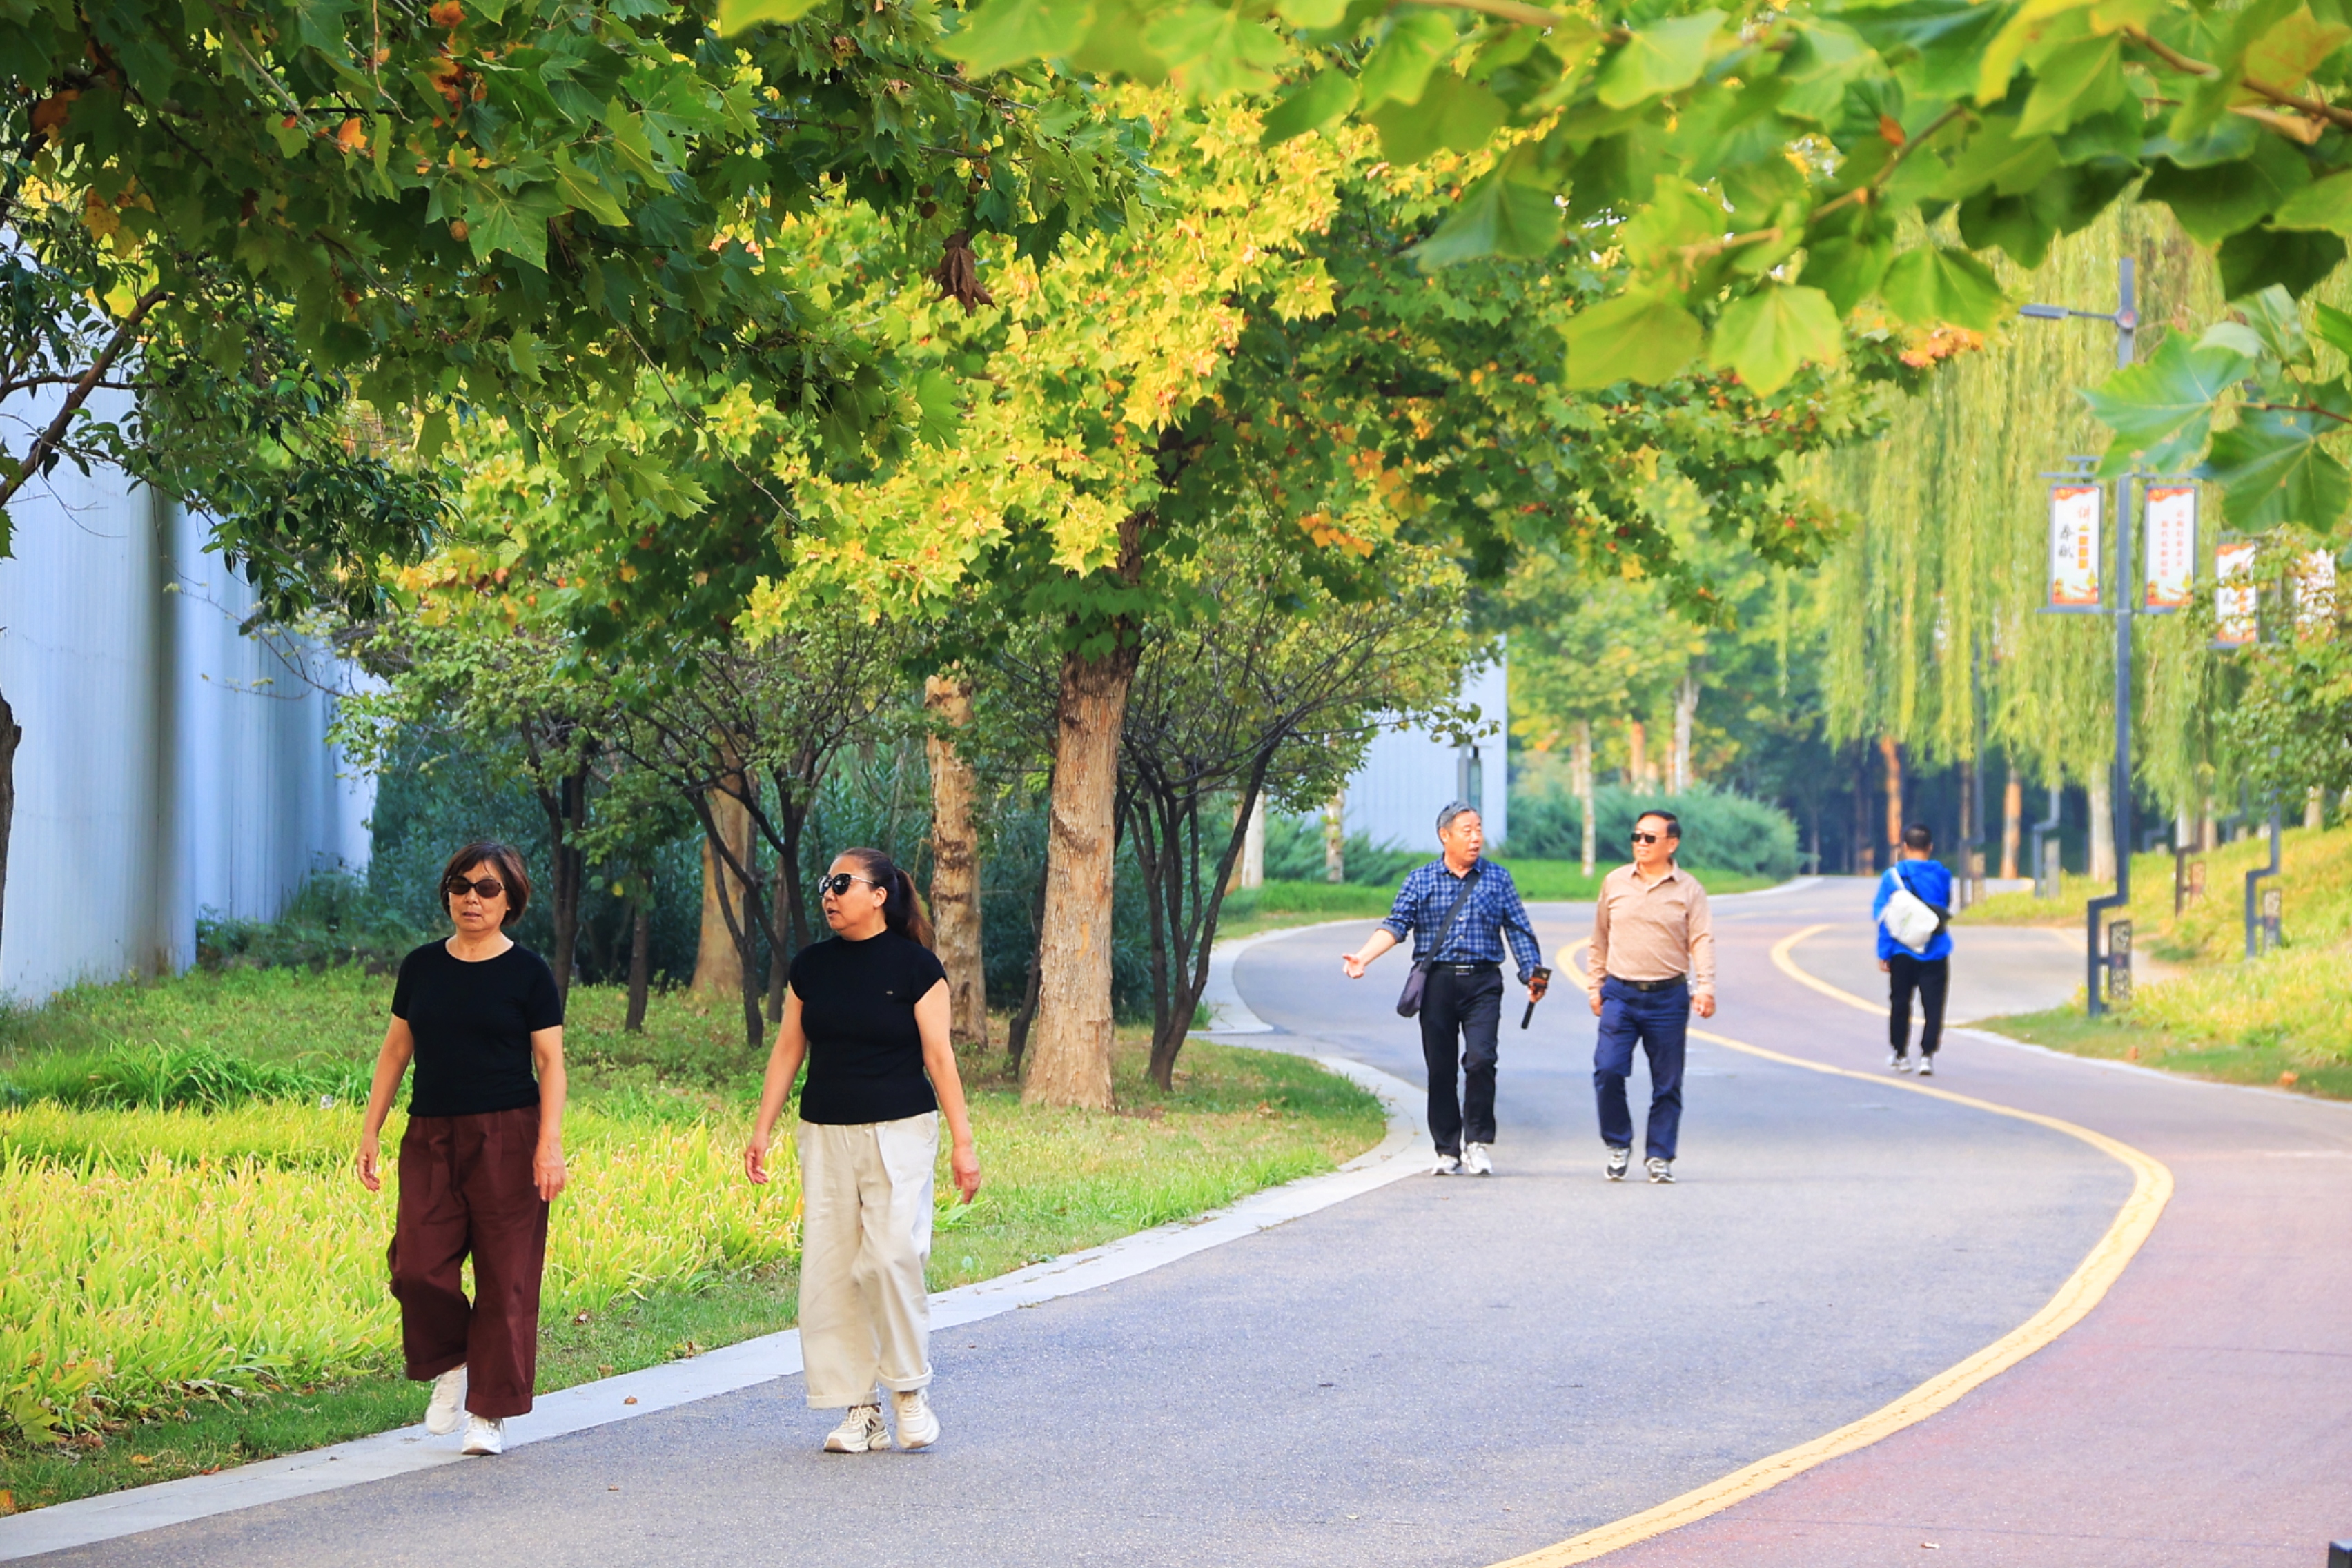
(1470, 968)
(1652, 985)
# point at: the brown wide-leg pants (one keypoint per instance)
(466, 1187)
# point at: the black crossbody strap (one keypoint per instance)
(1446, 926)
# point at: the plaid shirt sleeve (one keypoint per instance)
(1502, 898)
(1405, 917)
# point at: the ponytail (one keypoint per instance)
(902, 908)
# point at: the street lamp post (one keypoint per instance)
(2126, 319)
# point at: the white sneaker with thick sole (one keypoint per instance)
(1619, 1159)
(1661, 1171)
(918, 1426)
(1447, 1165)
(485, 1434)
(1476, 1160)
(449, 1400)
(1897, 1061)
(861, 1432)
(1927, 1066)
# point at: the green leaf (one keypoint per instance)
(1497, 216)
(734, 15)
(1998, 158)
(1451, 113)
(1310, 106)
(2164, 406)
(2323, 204)
(1932, 284)
(433, 435)
(2259, 258)
(1217, 49)
(2276, 322)
(1012, 32)
(582, 191)
(1664, 57)
(2076, 81)
(1847, 267)
(511, 221)
(2216, 202)
(1311, 13)
(1768, 334)
(2335, 327)
(1639, 337)
(1114, 46)
(1398, 69)
(2273, 470)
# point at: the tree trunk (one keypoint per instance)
(1582, 769)
(1335, 838)
(1865, 858)
(1251, 871)
(1637, 759)
(1016, 1036)
(955, 867)
(1894, 760)
(2314, 808)
(2103, 827)
(718, 965)
(1686, 711)
(641, 956)
(11, 736)
(1071, 1062)
(2012, 823)
(1965, 880)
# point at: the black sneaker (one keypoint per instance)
(1619, 1159)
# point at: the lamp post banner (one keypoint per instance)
(2074, 513)
(2236, 599)
(2315, 589)
(2171, 511)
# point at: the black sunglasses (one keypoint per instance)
(1648, 837)
(489, 888)
(838, 884)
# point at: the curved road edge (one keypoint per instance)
(2081, 1291)
(108, 1517)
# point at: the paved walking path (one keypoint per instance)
(1457, 1371)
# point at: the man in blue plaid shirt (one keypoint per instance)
(1462, 1008)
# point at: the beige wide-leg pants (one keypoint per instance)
(865, 1235)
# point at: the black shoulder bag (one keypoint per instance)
(1409, 999)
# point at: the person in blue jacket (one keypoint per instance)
(1929, 972)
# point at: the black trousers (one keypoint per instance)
(1460, 1016)
(1930, 978)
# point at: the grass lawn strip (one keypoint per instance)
(2284, 1020)
(1059, 1182)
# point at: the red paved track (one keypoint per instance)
(2199, 1417)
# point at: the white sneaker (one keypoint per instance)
(1898, 1061)
(1927, 1066)
(485, 1434)
(1447, 1165)
(448, 1399)
(1476, 1160)
(861, 1432)
(917, 1427)
(1662, 1172)
(1619, 1158)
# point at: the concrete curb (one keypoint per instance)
(737, 1366)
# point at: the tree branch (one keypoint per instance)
(50, 440)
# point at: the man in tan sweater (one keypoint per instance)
(1652, 962)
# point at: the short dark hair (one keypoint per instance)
(1674, 824)
(507, 862)
(1917, 836)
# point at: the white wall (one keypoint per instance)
(169, 765)
(1407, 776)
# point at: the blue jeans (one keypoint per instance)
(1658, 1019)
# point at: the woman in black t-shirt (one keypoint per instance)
(869, 1010)
(483, 1155)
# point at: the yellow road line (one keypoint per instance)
(2151, 1189)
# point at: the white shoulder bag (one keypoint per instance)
(1910, 919)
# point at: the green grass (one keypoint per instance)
(2284, 1020)
(1055, 1180)
(1278, 906)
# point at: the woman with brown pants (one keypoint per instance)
(483, 1155)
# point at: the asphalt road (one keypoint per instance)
(1453, 1372)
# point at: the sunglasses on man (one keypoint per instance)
(1648, 837)
(489, 888)
(838, 884)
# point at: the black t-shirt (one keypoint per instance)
(857, 1008)
(472, 1024)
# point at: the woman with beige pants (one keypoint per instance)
(867, 1011)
